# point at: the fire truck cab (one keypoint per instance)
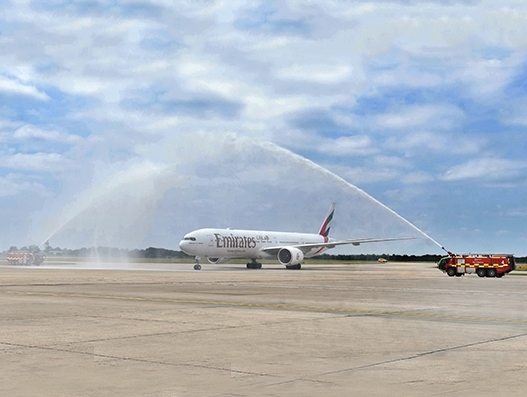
(484, 265)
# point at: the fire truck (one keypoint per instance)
(484, 265)
(24, 258)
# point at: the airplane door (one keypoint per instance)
(211, 241)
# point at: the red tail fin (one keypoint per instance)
(324, 229)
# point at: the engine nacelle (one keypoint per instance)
(290, 256)
(217, 261)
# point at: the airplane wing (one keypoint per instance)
(331, 244)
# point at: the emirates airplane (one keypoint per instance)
(220, 245)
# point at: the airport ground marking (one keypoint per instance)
(277, 306)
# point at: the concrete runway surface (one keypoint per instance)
(167, 330)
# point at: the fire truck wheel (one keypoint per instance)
(491, 272)
(481, 272)
(451, 271)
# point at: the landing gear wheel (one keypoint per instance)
(197, 266)
(254, 265)
(451, 271)
(481, 272)
(491, 272)
(294, 267)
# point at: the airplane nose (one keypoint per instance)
(182, 245)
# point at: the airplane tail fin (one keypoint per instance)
(324, 229)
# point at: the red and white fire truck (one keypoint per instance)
(484, 265)
(24, 258)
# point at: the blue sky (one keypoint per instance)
(130, 123)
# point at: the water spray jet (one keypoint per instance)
(251, 166)
(318, 168)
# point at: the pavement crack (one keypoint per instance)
(423, 354)
(139, 360)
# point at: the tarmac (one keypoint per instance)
(391, 329)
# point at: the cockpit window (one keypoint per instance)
(190, 238)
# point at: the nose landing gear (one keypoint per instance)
(197, 266)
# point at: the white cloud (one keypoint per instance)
(517, 212)
(434, 141)
(32, 132)
(437, 143)
(487, 77)
(12, 87)
(437, 117)
(417, 178)
(327, 74)
(348, 145)
(491, 169)
(391, 161)
(38, 162)
(405, 78)
(13, 185)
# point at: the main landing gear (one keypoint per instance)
(294, 267)
(254, 265)
(197, 266)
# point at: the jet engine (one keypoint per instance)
(217, 261)
(290, 256)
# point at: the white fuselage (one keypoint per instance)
(231, 243)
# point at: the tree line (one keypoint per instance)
(111, 252)
(153, 252)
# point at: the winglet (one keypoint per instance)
(324, 229)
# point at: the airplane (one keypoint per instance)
(221, 245)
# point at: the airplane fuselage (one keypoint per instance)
(252, 244)
(290, 249)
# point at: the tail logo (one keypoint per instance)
(324, 229)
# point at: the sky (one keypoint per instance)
(131, 123)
